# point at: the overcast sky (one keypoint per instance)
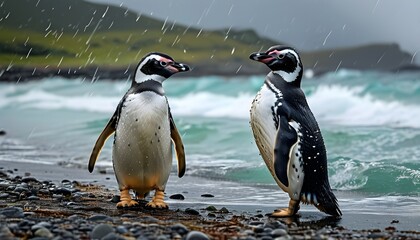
(305, 24)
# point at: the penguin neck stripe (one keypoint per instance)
(149, 86)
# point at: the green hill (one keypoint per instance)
(75, 36)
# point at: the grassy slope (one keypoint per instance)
(73, 33)
(78, 34)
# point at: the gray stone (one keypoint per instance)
(278, 232)
(43, 232)
(40, 225)
(196, 235)
(100, 231)
(100, 217)
(112, 236)
(5, 233)
(192, 211)
(122, 230)
(4, 195)
(12, 212)
(33, 198)
(180, 228)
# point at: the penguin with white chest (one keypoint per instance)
(287, 134)
(144, 132)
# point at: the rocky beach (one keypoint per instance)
(54, 202)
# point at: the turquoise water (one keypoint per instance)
(370, 122)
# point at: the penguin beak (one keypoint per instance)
(261, 57)
(178, 67)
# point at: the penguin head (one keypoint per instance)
(157, 66)
(283, 61)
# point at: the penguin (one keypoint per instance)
(288, 136)
(144, 132)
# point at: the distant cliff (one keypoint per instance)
(76, 38)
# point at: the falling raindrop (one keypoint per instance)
(129, 38)
(106, 10)
(198, 34)
(338, 66)
(230, 10)
(414, 56)
(379, 60)
(59, 63)
(75, 33)
(238, 69)
(88, 24)
(27, 55)
(27, 39)
(164, 23)
(326, 38)
(233, 51)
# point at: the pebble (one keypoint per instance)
(100, 217)
(43, 232)
(278, 233)
(196, 235)
(40, 225)
(4, 195)
(33, 198)
(100, 231)
(211, 208)
(180, 228)
(12, 212)
(224, 210)
(112, 236)
(207, 195)
(177, 197)
(5, 233)
(192, 211)
(115, 199)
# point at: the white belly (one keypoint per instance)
(265, 132)
(142, 152)
(263, 128)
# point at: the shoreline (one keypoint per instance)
(103, 187)
(95, 73)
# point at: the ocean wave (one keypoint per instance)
(334, 103)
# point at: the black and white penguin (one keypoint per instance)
(288, 136)
(144, 132)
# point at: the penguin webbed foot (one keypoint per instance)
(157, 205)
(127, 204)
(125, 200)
(289, 211)
(157, 201)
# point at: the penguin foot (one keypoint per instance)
(157, 201)
(287, 212)
(125, 200)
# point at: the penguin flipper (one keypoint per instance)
(285, 140)
(179, 146)
(105, 134)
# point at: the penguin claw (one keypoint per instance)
(126, 204)
(157, 205)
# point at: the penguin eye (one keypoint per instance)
(280, 56)
(163, 64)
